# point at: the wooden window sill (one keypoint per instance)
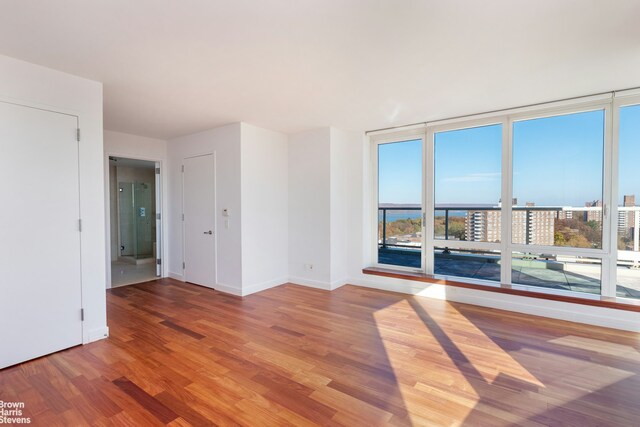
(593, 300)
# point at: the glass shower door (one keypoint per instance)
(126, 219)
(137, 220)
(145, 221)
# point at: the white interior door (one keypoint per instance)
(40, 294)
(199, 220)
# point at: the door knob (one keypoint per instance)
(208, 232)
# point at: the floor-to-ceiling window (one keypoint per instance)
(557, 209)
(628, 210)
(519, 198)
(399, 203)
(467, 191)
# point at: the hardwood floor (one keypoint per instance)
(183, 355)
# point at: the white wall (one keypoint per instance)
(125, 145)
(309, 208)
(319, 167)
(359, 200)
(265, 217)
(38, 86)
(340, 164)
(120, 144)
(225, 143)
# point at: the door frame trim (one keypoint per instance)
(160, 245)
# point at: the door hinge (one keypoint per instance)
(183, 217)
(159, 261)
(157, 216)
(157, 171)
(82, 314)
(182, 168)
(183, 265)
(80, 225)
(78, 134)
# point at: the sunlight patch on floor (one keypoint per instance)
(399, 334)
(619, 350)
(490, 359)
(464, 370)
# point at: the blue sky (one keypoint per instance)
(629, 149)
(557, 161)
(467, 165)
(400, 172)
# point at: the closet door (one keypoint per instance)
(199, 220)
(40, 289)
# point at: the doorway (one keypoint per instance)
(135, 221)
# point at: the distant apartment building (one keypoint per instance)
(630, 200)
(483, 226)
(565, 214)
(593, 215)
(626, 219)
(623, 222)
(534, 227)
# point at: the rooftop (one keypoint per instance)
(576, 277)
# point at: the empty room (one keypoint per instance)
(332, 213)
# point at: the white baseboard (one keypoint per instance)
(338, 283)
(310, 283)
(327, 286)
(432, 290)
(176, 276)
(598, 316)
(227, 289)
(252, 289)
(97, 334)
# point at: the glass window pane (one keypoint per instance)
(560, 272)
(400, 203)
(473, 264)
(557, 180)
(628, 210)
(468, 184)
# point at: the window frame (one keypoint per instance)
(414, 133)
(607, 254)
(604, 253)
(431, 242)
(620, 100)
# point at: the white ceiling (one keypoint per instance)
(173, 67)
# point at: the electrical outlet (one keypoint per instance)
(308, 267)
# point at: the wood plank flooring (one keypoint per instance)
(183, 355)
